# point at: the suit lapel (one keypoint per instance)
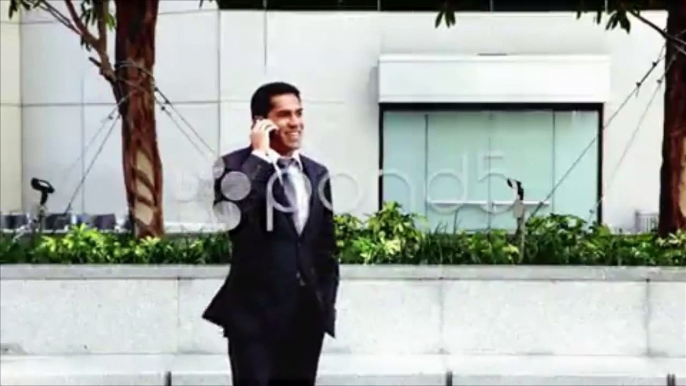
(310, 171)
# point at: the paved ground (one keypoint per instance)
(348, 370)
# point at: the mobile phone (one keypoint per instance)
(261, 118)
(272, 130)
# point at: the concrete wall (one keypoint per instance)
(459, 311)
(209, 63)
(10, 111)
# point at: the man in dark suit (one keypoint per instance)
(278, 300)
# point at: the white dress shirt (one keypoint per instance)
(297, 175)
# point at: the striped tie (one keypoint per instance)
(289, 189)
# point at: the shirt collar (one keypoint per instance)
(296, 155)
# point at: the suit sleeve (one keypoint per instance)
(329, 266)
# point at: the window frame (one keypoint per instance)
(456, 107)
(485, 6)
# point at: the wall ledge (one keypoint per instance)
(354, 272)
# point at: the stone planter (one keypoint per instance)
(441, 312)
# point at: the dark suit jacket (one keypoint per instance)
(259, 291)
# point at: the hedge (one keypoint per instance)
(389, 236)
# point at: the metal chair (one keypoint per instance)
(82, 219)
(14, 221)
(57, 221)
(104, 221)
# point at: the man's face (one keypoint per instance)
(286, 113)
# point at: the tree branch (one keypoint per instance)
(101, 8)
(679, 44)
(47, 7)
(101, 11)
(82, 29)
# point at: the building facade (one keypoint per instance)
(434, 118)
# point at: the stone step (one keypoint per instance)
(85, 370)
(341, 369)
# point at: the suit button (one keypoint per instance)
(300, 280)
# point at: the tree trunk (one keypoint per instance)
(134, 88)
(673, 173)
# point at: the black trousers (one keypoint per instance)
(292, 360)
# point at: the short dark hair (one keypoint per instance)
(261, 101)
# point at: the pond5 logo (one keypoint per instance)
(236, 187)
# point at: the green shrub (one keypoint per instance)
(389, 236)
(82, 245)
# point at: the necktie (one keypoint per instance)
(289, 189)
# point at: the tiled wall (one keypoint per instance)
(10, 111)
(209, 63)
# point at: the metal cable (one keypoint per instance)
(164, 109)
(109, 117)
(213, 153)
(95, 157)
(111, 129)
(594, 209)
(168, 102)
(601, 132)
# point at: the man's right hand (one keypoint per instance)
(259, 134)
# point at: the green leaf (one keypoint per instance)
(439, 18)
(612, 21)
(386, 237)
(450, 18)
(624, 22)
(110, 21)
(25, 4)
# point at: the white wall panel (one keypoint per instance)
(4, 13)
(103, 189)
(235, 126)
(242, 54)
(40, 16)
(10, 62)
(187, 57)
(10, 112)
(475, 33)
(95, 88)
(636, 184)
(52, 64)
(184, 167)
(187, 169)
(176, 6)
(340, 137)
(51, 146)
(10, 158)
(336, 66)
(496, 79)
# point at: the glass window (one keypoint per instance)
(535, 5)
(240, 4)
(452, 166)
(331, 5)
(404, 157)
(433, 5)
